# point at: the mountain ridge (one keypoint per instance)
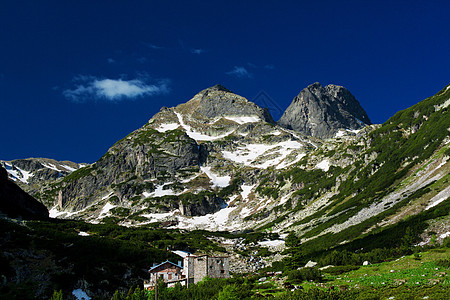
(219, 171)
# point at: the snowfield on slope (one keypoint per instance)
(18, 174)
(161, 191)
(216, 221)
(195, 135)
(167, 127)
(217, 181)
(250, 154)
(323, 165)
(243, 120)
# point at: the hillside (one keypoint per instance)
(217, 175)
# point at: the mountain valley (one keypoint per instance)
(321, 178)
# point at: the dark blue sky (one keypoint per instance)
(76, 76)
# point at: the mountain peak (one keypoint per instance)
(322, 111)
(315, 85)
(218, 101)
(218, 88)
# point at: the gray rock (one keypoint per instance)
(145, 154)
(321, 111)
(217, 101)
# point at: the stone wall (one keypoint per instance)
(218, 267)
(198, 267)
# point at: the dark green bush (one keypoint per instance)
(337, 270)
(305, 274)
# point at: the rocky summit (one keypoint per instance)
(218, 101)
(323, 111)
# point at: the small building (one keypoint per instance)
(167, 271)
(193, 270)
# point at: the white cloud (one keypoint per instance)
(91, 88)
(240, 72)
(153, 46)
(197, 51)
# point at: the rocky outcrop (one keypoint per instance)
(14, 202)
(29, 171)
(218, 101)
(321, 111)
(128, 167)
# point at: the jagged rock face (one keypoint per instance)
(129, 167)
(16, 203)
(321, 111)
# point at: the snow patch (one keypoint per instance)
(249, 154)
(444, 235)
(284, 199)
(355, 131)
(66, 214)
(276, 132)
(298, 137)
(232, 198)
(340, 133)
(160, 191)
(245, 211)
(158, 217)
(105, 210)
(50, 166)
(323, 165)
(243, 120)
(246, 190)
(440, 197)
(443, 105)
(211, 221)
(82, 233)
(70, 169)
(80, 294)
(285, 164)
(54, 212)
(219, 181)
(167, 127)
(274, 243)
(17, 173)
(197, 135)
